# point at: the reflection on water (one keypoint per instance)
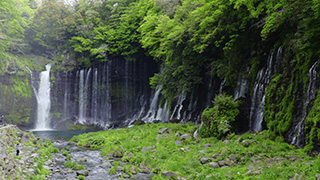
(58, 135)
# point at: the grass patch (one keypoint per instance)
(257, 155)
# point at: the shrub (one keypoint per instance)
(79, 167)
(218, 120)
(81, 177)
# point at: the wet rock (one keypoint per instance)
(185, 136)
(82, 172)
(247, 142)
(145, 170)
(164, 130)
(106, 165)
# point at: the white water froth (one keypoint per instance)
(258, 97)
(43, 101)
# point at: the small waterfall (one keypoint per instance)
(242, 87)
(95, 97)
(81, 97)
(83, 94)
(258, 97)
(43, 100)
(298, 133)
(176, 114)
(66, 95)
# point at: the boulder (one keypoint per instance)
(205, 160)
(214, 165)
(185, 136)
(164, 130)
(207, 145)
(169, 174)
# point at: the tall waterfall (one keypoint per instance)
(298, 133)
(258, 97)
(43, 100)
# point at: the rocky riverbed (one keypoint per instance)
(93, 165)
(12, 166)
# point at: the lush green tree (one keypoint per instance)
(218, 121)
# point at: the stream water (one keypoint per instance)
(90, 159)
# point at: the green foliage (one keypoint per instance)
(218, 120)
(81, 177)
(312, 126)
(70, 164)
(79, 167)
(274, 159)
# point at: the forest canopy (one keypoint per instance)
(189, 38)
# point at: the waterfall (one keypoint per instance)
(43, 100)
(242, 87)
(95, 98)
(258, 97)
(83, 94)
(298, 133)
(81, 97)
(176, 114)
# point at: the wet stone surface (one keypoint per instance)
(96, 167)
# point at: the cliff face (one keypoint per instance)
(280, 95)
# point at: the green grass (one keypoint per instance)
(271, 159)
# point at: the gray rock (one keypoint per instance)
(205, 160)
(178, 142)
(318, 176)
(145, 171)
(202, 151)
(207, 145)
(185, 136)
(106, 165)
(82, 172)
(234, 157)
(168, 174)
(222, 163)
(178, 134)
(164, 130)
(214, 165)
(130, 154)
(216, 156)
(247, 142)
(253, 172)
(144, 149)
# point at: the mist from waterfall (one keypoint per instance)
(43, 100)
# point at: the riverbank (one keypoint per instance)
(170, 151)
(33, 153)
(153, 151)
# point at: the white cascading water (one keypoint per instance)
(176, 114)
(83, 94)
(258, 97)
(43, 100)
(81, 97)
(307, 97)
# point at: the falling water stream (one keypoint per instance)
(43, 100)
